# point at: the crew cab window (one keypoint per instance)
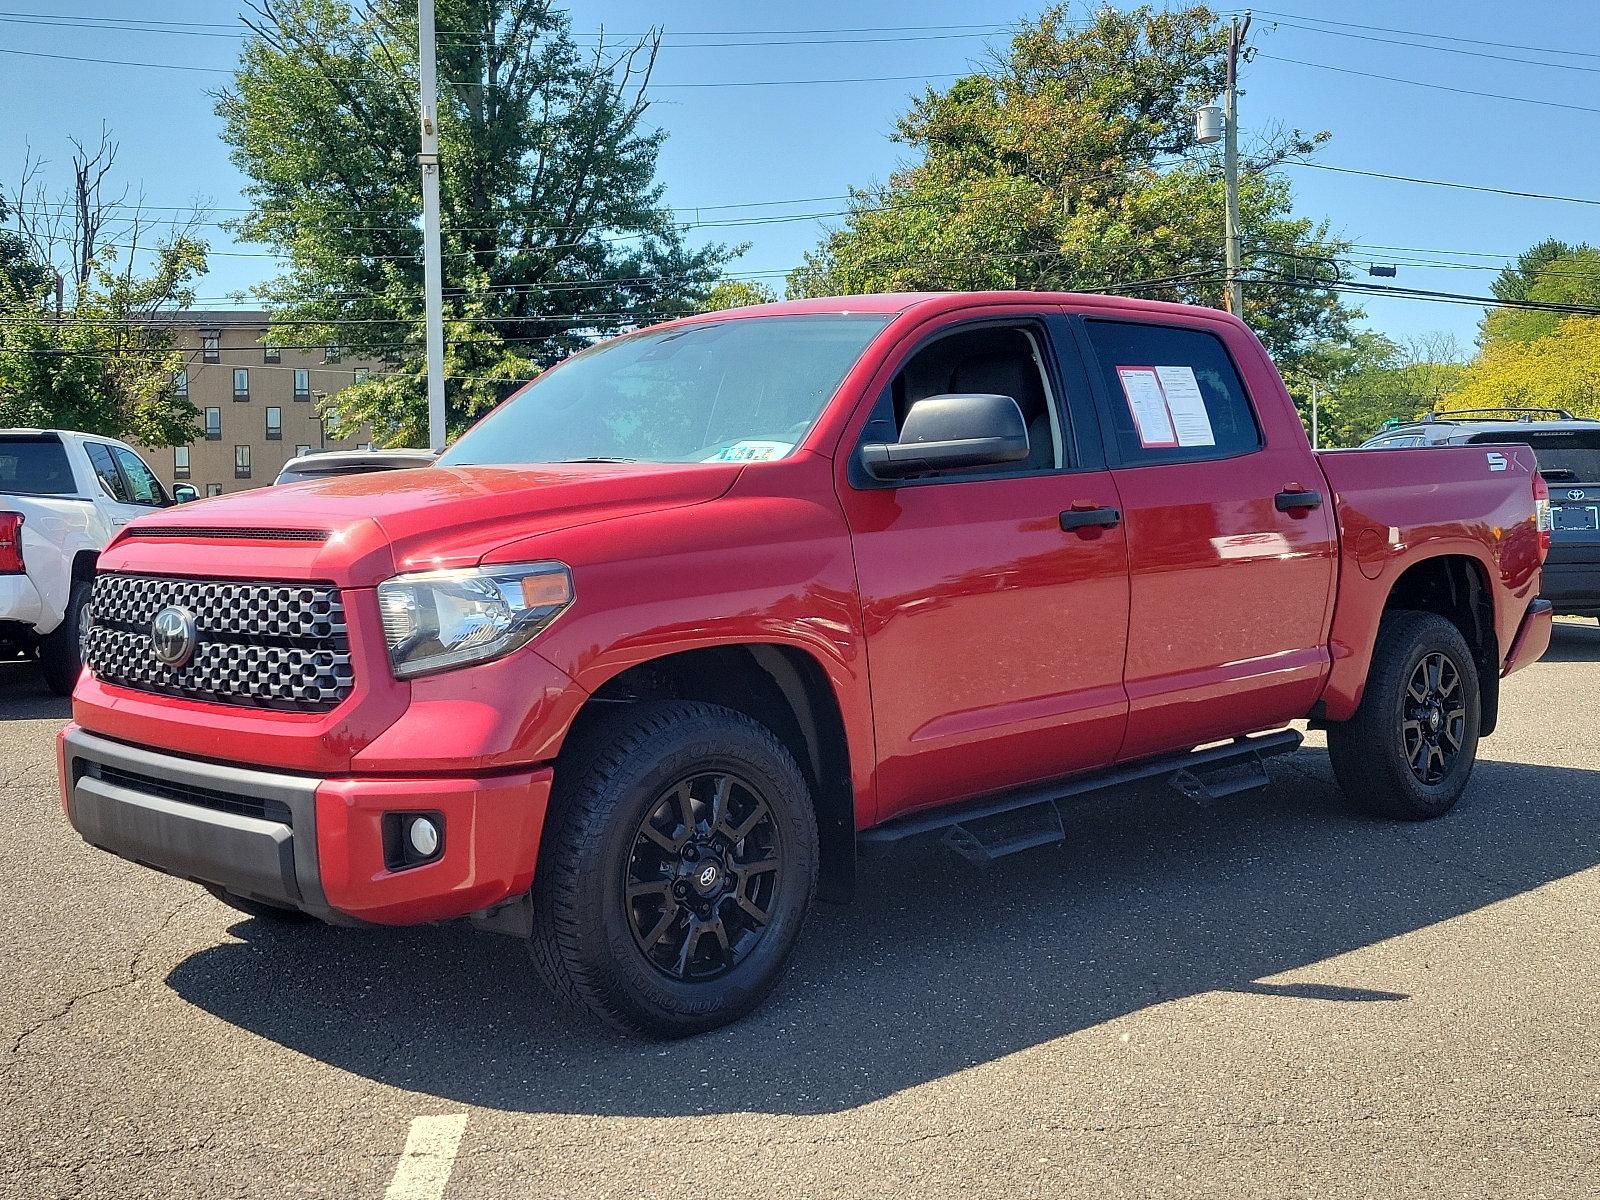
(1173, 394)
(105, 470)
(35, 466)
(143, 486)
(993, 359)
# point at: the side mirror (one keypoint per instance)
(948, 433)
(182, 493)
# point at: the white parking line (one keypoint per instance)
(426, 1161)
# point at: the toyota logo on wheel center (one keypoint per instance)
(174, 636)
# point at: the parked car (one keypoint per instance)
(1568, 450)
(63, 496)
(668, 637)
(331, 463)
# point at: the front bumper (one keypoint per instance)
(304, 842)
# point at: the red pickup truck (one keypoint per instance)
(664, 642)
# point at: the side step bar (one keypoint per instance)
(993, 826)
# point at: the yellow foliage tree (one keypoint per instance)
(1559, 370)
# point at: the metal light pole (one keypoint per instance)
(432, 283)
(1315, 391)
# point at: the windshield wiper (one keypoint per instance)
(599, 458)
(1556, 474)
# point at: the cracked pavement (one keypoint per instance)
(1269, 997)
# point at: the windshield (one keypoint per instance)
(35, 466)
(741, 390)
(1564, 456)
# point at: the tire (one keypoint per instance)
(1377, 752)
(628, 900)
(271, 913)
(61, 652)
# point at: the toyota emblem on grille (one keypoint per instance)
(1576, 494)
(173, 636)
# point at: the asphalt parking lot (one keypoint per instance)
(1269, 997)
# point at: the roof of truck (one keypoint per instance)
(898, 302)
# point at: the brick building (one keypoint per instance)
(259, 404)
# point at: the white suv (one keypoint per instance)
(63, 496)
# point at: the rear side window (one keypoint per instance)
(105, 469)
(35, 467)
(1174, 394)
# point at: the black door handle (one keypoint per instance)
(1289, 501)
(1087, 518)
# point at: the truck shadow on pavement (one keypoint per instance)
(26, 696)
(1574, 640)
(936, 967)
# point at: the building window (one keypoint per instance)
(271, 354)
(274, 424)
(180, 384)
(363, 374)
(213, 424)
(180, 462)
(241, 383)
(302, 384)
(241, 462)
(330, 352)
(210, 346)
(299, 450)
(213, 489)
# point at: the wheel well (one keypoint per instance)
(83, 565)
(1457, 588)
(787, 691)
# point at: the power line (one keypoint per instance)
(1440, 87)
(1445, 183)
(1366, 37)
(1440, 37)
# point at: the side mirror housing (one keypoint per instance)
(951, 432)
(182, 493)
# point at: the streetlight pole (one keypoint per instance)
(432, 283)
(1230, 163)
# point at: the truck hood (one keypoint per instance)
(435, 517)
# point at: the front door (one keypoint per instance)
(1231, 594)
(995, 636)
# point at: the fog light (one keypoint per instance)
(424, 837)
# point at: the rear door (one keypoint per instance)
(995, 611)
(1231, 538)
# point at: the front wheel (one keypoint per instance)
(1409, 750)
(679, 861)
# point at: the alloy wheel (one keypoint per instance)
(1434, 721)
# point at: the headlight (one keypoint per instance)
(436, 620)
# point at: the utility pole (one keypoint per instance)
(432, 283)
(1230, 162)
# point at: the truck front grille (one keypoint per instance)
(257, 645)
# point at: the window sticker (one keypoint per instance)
(1148, 404)
(750, 451)
(1186, 406)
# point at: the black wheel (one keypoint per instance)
(1409, 750)
(260, 909)
(678, 864)
(61, 652)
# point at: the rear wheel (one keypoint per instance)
(61, 652)
(678, 865)
(1409, 750)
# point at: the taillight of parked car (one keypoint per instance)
(1541, 512)
(10, 543)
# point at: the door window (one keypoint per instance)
(143, 487)
(105, 470)
(993, 359)
(1173, 395)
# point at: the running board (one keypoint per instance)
(991, 827)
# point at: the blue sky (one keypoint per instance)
(747, 144)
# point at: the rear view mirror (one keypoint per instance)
(951, 432)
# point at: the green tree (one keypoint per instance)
(1058, 168)
(1369, 379)
(553, 233)
(736, 293)
(1558, 370)
(1550, 273)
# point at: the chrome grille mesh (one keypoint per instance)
(259, 645)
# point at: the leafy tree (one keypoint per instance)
(1054, 169)
(21, 274)
(1558, 370)
(1568, 275)
(552, 227)
(736, 293)
(1365, 381)
(1514, 282)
